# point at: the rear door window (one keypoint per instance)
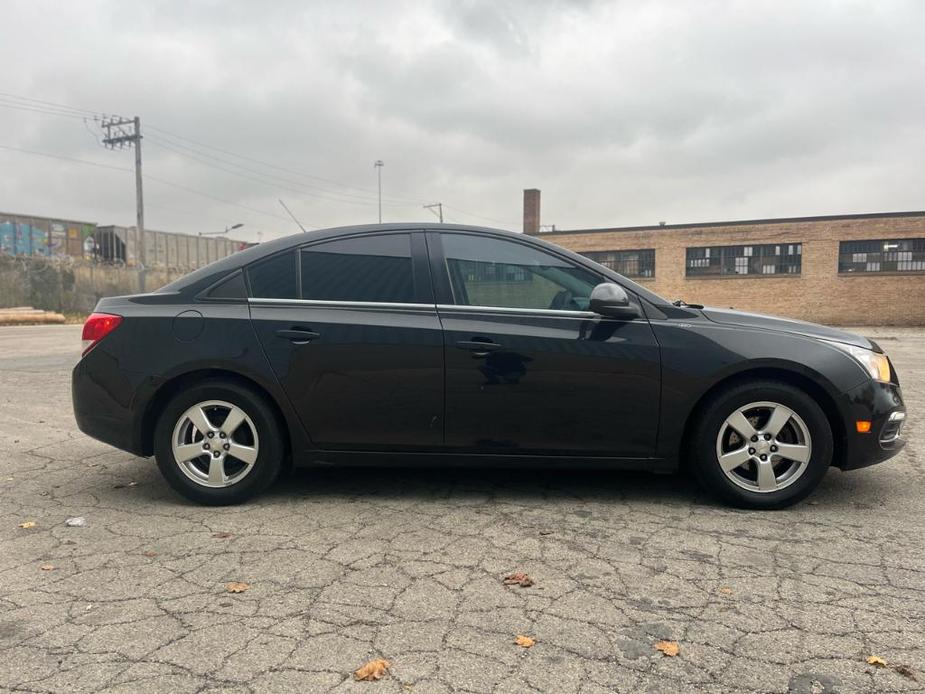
(274, 278)
(364, 268)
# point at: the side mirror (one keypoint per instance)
(609, 299)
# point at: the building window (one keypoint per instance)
(765, 259)
(893, 255)
(638, 263)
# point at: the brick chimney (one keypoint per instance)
(531, 211)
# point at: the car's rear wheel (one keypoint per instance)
(761, 445)
(218, 443)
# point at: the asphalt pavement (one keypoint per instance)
(344, 566)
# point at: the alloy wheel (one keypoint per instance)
(215, 443)
(763, 447)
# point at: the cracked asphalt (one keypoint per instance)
(349, 565)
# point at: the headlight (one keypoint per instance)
(874, 363)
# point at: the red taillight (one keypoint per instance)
(98, 326)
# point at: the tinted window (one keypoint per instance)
(274, 278)
(366, 268)
(494, 272)
(231, 288)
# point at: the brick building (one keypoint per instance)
(853, 269)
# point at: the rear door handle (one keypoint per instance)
(299, 337)
(479, 347)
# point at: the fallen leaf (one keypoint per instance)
(373, 670)
(524, 641)
(725, 590)
(236, 587)
(221, 536)
(876, 660)
(518, 579)
(47, 567)
(150, 553)
(905, 671)
(27, 524)
(669, 648)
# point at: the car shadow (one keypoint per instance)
(507, 484)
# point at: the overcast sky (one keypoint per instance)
(622, 113)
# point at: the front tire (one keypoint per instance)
(218, 443)
(761, 445)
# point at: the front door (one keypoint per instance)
(351, 331)
(529, 369)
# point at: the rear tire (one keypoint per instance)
(207, 464)
(761, 445)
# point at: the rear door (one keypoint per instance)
(529, 369)
(351, 330)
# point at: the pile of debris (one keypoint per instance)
(26, 315)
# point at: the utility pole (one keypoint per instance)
(118, 135)
(379, 164)
(439, 206)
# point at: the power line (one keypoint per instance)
(66, 158)
(13, 101)
(478, 216)
(280, 168)
(40, 102)
(267, 179)
(147, 176)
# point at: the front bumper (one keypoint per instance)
(882, 405)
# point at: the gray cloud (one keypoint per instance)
(622, 112)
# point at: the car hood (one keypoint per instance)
(785, 325)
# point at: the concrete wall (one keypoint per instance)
(819, 293)
(70, 287)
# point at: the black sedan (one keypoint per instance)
(409, 344)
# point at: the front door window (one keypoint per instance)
(505, 274)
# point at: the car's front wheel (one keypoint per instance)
(218, 443)
(761, 445)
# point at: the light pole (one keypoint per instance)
(219, 233)
(379, 164)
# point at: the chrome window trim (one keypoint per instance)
(555, 313)
(321, 303)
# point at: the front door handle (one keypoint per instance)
(297, 336)
(480, 348)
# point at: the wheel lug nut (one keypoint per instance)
(210, 434)
(773, 449)
(226, 446)
(764, 457)
(754, 438)
(767, 437)
(206, 446)
(216, 454)
(751, 451)
(221, 434)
